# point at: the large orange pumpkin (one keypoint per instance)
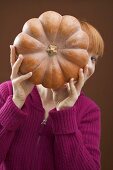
(54, 48)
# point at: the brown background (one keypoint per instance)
(13, 14)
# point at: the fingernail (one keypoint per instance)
(10, 46)
(20, 56)
(30, 74)
(72, 79)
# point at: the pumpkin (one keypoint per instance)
(54, 47)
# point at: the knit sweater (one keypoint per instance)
(69, 140)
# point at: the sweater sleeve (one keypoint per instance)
(76, 147)
(10, 119)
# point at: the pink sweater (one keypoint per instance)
(69, 140)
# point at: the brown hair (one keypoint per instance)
(96, 43)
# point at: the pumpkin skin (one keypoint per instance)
(54, 47)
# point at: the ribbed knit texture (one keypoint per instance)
(70, 139)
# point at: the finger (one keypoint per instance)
(85, 73)
(68, 87)
(80, 82)
(72, 86)
(86, 70)
(16, 66)
(23, 77)
(12, 55)
(54, 90)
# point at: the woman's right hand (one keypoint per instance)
(21, 85)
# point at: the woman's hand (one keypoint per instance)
(67, 95)
(21, 85)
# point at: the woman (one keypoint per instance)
(45, 129)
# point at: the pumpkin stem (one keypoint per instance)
(52, 50)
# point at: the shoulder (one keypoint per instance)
(6, 89)
(88, 101)
(85, 105)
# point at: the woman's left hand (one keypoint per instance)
(66, 96)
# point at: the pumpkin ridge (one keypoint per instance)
(61, 69)
(30, 31)
(49, 14)
(43, 45)
(51, 43)
(35, 44)
(24, 69)
(71, 33)
(81, 40)
(47, 65)
(45, 32)
(39, 64)
(69, 56)
(57, 31)
(75, 66)
(53, 70)
(37, 39)
(61, 74)
(42, 78)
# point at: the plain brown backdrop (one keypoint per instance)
(13, 14)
